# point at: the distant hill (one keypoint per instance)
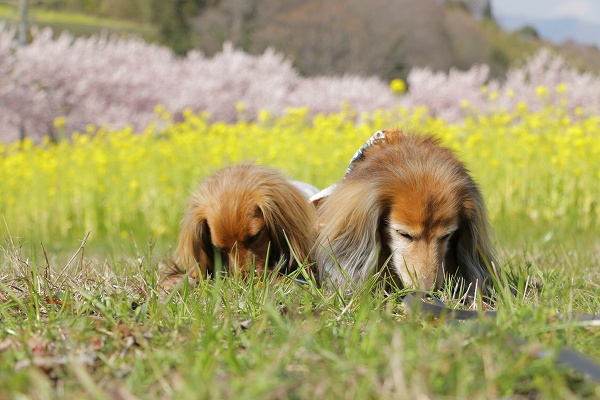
(556, 30)
(384, 38)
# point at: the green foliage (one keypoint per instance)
(170, 16)
(77, 23)
(166, 21)
(172, 20)
(136, 10)
(98, 329)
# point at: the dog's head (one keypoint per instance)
(419, 229)
(408, 206)
(245, 216)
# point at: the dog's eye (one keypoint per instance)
(254, 238)
(405, 235)
(446, 236)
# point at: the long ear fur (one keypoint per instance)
(289, 217)
(474, 250)
(347, 245)
(194, 249)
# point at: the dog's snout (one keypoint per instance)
(244, 262)
(420, 266)
(432, 276)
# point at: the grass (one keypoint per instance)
(87, 321)
(76, 23)
(96, 328)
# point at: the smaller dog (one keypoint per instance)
(248, 216)
(406, 208)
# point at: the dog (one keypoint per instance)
(251, 218)
(408, 209)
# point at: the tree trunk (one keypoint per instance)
(23, 26)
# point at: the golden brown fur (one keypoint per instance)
(248, 213)
(411, 204)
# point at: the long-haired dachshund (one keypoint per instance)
(248, 216)
(408, 208)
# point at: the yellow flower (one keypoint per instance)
(264, 116)
(561, 88)
(187, 113)
(165, 115)
(59, 122)
(398, 86)
(126, 181)
(541, 91)
(493, 95)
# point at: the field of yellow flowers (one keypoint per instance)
(539, 171)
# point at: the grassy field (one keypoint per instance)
(76, 24)
(85, 321)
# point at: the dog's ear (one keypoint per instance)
(194, 249)
(349, 241)
(277, 244)
(474, 250)
(290, 220)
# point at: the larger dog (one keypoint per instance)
(409, 207)
(248, 216)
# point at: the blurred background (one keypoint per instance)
(383, 38)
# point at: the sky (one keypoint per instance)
(587, 10)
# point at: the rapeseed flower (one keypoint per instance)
(120, 183)
(398, 86)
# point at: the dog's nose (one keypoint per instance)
(244, 264)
